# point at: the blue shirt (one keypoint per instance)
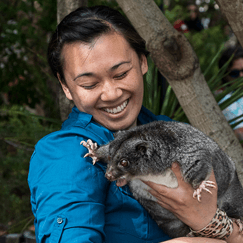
(71, 199)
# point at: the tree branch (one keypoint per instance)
(233, 12)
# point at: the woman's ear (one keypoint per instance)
(65, 88)
(143, 64)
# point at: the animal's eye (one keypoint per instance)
(123, 163)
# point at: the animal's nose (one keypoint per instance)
(109, 176)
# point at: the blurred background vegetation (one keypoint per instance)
(28, 91)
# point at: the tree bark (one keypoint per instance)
(64, 7)
(233, 12)
(176, 60)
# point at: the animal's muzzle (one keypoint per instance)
(109, 176)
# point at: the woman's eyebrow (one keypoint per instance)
(89, 74)
(118, 65)
(83, 74)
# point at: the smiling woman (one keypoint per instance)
(105, 80)
(99, 60)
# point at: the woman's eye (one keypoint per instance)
(88, 86)
(120, 76)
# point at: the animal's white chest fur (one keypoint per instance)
(168, 179)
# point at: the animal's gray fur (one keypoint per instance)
(152, 148)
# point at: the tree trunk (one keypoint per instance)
(176, 60)
(64, 7)
(233, 12)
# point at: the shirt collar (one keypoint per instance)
(78, 118)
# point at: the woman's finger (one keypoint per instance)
(166, 191)
(162, 201)
(177, 171)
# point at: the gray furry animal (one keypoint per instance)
(147, 152)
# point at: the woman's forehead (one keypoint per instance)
(107, 50)
(238, 63)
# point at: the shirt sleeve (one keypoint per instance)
(67, 192)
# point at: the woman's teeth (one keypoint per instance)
(117, 109)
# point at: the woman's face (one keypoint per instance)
(236, 70)
(105, 79)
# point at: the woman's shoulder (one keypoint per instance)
(79, 126)
(65, 144)
(60, 155)
(62, 149)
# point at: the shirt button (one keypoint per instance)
(59, 220)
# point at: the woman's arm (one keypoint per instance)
(195, 214)
(68, 193)
(195, 240)
(235, 237)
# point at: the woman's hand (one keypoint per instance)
(180, 201)
(194, 240)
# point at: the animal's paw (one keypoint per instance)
(92, 148)
(203, 185)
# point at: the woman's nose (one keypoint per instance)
(110, 91)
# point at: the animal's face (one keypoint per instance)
(119, 172)
(126, 160)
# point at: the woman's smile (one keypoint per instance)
(118, 109)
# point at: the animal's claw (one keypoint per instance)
(203, 185)
(92, 148)
(207, 190)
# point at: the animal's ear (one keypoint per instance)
(142, 147)
(103, 153)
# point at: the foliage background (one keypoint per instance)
(28, 91)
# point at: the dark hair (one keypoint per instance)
(84, 25)
(237, 51)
